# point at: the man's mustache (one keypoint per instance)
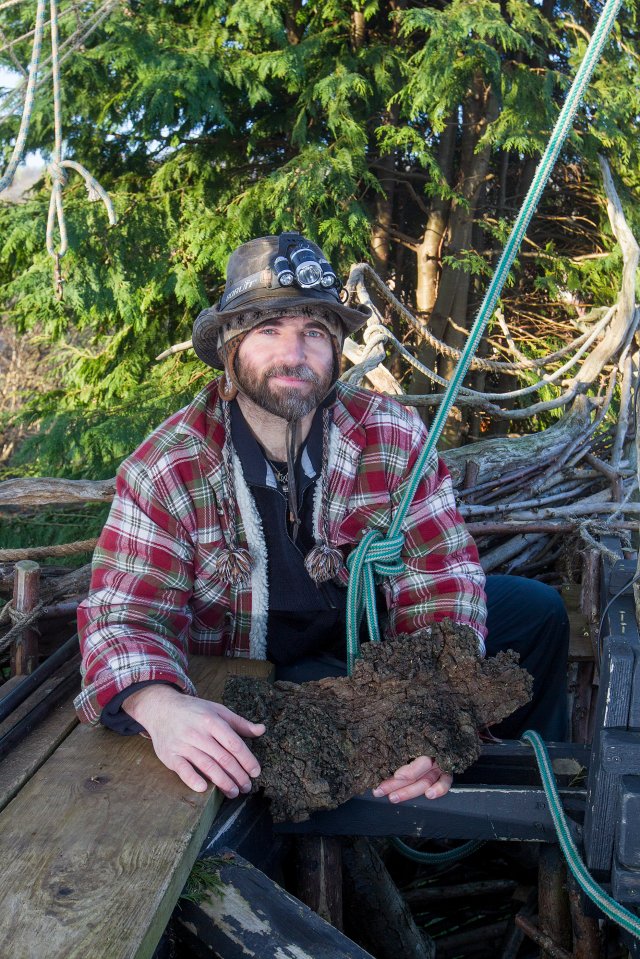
(301, 372)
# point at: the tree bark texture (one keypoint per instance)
(422, 695)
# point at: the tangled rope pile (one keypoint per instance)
(378, 337)
(40, 72)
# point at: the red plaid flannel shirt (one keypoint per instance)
(155, 596)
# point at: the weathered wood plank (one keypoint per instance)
(19, 766)
(580, 648)
(247, 915)
(36, 491)
(98, 844)
(61, 675)
(26, 757)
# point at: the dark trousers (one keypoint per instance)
(524, 615)
(530, 617)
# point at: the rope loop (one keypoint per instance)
(381, 554)
(56, 170)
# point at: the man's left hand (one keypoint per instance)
(422, 777)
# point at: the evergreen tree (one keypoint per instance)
(404, 133)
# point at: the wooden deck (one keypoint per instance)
(96, 837)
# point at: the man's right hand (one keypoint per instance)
(193, 736)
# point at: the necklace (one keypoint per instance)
(282, 477)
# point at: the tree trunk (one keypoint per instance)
(480, 109)
(429, 257)
(451, 309)
(383, 217)
(434, 234)
(384, 922)
(451, 301)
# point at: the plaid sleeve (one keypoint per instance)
(442, 576)
(133, 625)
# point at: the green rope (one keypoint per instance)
(381, 555)
(437, 858)
(611, 909)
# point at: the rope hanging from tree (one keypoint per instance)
(57, 167)
(381, 555)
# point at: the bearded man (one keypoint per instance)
(233, 521)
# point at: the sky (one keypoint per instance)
(33, 160)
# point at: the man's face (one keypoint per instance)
(285, 365)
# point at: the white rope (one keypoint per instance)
(57, 167)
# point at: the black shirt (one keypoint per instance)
(305, 619)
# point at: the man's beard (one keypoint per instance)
(289, 403)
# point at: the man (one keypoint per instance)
(232, 523)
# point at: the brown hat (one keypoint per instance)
(272, 273)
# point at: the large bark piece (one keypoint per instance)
(425, 694)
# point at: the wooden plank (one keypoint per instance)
(98, 844)
(26, 756)
(19, 766)
(580, 648)
(248, 915)
(61, 675)
(466, 812)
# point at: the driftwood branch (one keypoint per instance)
(625, 321)
(492, 455)
(51, 491)
(176, 348)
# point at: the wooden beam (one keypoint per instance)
(466, 812)
(35, 728)
(26, 590)
(248, 916)
(319, 876)
(19, 766)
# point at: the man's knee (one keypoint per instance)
(526, 615)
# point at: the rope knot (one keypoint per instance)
(92, 192)
(374, 554)
(378, 553)
(56, 172)
(16, 617)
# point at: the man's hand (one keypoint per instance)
(192, 736)
(422, 777)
